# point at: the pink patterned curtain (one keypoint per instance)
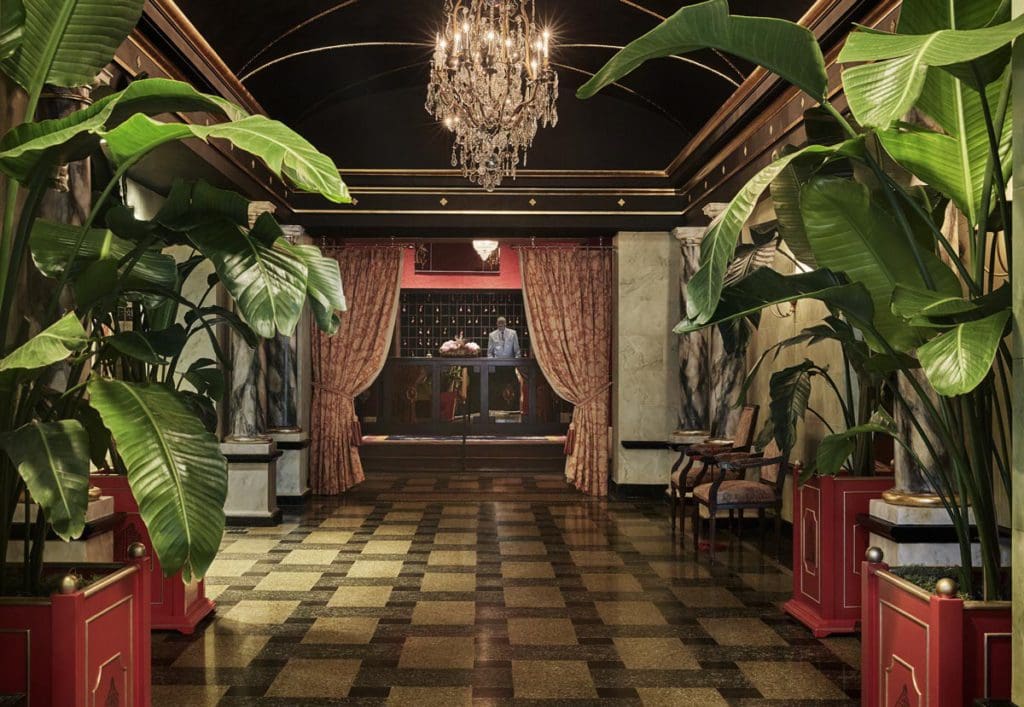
(568, 294)
(346, 364)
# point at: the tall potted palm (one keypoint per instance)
(89, 627)
(882, 261)
(828, 542)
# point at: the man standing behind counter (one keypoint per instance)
(503, 342)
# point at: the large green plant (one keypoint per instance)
(121, 388)
(881, 259)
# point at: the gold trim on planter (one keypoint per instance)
(110, 579)
(899, 497)
(906, 586)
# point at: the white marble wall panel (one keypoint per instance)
(646, 391)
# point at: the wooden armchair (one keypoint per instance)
(683, 478)
(726, 489)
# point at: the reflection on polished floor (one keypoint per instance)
(448, 590)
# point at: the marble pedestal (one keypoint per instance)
(918, 536)
(96, 543)
(292, 466)
(252, 482)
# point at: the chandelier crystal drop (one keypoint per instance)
(492, 85)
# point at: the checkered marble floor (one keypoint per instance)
(449, 590)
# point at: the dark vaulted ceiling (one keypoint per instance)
(351, 75)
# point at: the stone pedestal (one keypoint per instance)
(252, 482)
(292, 466)
(910, 535)
(96, 543)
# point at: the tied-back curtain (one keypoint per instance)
(568, 295)
(346, 364)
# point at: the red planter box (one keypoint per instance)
(828, 547)
(90, 647)
(923, 649)
(176, 606)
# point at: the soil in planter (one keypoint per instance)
(926, 577)
(15, 580)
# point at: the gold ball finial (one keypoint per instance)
(874, 555)
(136, 551)
(946, 587)
(68, 584)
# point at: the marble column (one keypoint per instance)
(710, 374)
(646, 370)
(910, 481)
(247, 419)
(251, 453)
(694, 348)
(285, 399)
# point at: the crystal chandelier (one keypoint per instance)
(492, 85)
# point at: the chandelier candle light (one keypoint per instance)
(492, 85)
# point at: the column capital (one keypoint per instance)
(294, 234)
(690, 236)
(258, 208)
(714, 210)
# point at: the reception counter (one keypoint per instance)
(462, 396)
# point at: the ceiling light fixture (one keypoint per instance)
(492, 85)
(485, 249)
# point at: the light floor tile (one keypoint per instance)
(375, 568)
(341, 630)
(314, 678)
(629, 613)
(249, 611)
(444, 613)
(552, 680)
(541, 632)
(742, 632)
(310, 557)
(288, 582)
(790, 681)
(356, 597)
(534, 597)
(454, 558)
(448, 582)
(221, 650)
(615, 583)
(438, 653)
(655, 654)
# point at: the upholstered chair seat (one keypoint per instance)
(737, 492)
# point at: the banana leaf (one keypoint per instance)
(784, 48)
(176, 471)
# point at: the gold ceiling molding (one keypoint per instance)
(676, 57)
(618, 213)
(523, 173)
(169, 11)
(329, 48)
(295, 28)
(666, 192)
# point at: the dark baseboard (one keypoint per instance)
(646, 491)
(284, 446)
(294, 501)
(254, 521)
